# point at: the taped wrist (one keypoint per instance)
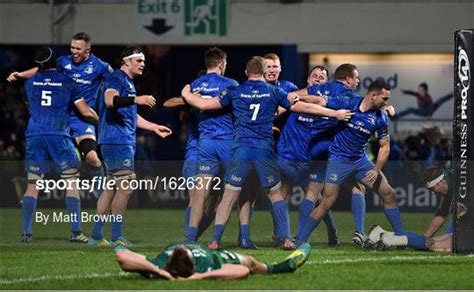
(121, 101)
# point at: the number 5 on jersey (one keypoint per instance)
(46, 98)
(255, 107)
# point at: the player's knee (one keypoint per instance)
(92, 158)
(121, 258)
(87, 146)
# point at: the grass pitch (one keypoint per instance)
(51, 262)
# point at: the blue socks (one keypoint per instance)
(98, 230)
(306, 207)
(244, 232)
(416, 241)
(29, 207)
(358, 212)
(281, 219)
(306, 231)
(393, 216)
(218, 230)
(191, 235)
(73, 206)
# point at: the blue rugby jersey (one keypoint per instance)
(323, 125)
(216, 124)
(254, 104)
(118, 126)
(88, 75)
(286, 86)
(50, 95)
(352, 137)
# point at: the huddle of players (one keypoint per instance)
(303, 138)
(252, 106)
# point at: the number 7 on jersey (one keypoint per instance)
(255, 107)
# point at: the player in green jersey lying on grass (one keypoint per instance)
(190, 261)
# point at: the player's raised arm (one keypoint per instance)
(227, 272)
(27, 74)
(114, 100)
(86, 111)
(174, 102)
(130, 261)
(314, 109)
(199, 102)
(160, 130)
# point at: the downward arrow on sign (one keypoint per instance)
(158, 26)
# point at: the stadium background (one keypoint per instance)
(403, 42)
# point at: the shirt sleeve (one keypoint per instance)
(113, 83)
(338, 102)
(59, 63)
(292, 87)
(107, 70)
(282, 98)
(382, 130)
(234, 82)
(226, 99)
(313, 89)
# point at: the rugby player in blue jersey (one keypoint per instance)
(323, 130)
(347, 155)
(117, 139)
(88, 72)
(293, 155)
(51, 95)
(215, 133)
(254, 104)
(272, 73)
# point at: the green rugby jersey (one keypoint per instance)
(204, 258)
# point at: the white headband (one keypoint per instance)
(435, 181)
(134, 55)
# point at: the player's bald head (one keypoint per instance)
(255, 66)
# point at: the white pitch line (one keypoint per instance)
(60, 277)
(380, 259)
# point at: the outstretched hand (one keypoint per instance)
(147, 100)
(162, 131)
(370, 177)
(14, 76)
(389, 110)
(344, 115)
